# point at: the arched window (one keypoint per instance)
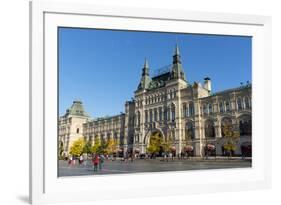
(168, 113)
(247, 103)
(139, 118)
(160, 114)
(239, 104)
(191, 109)
(205, 109)
(165, 114)
(77, 130)
(221, 107)
(146, 116)
(210, 108)
(150, 115)
(155, 114)
(189, 131)
(227, 106)
(245, 125)
(136, 119)
(209, 129)
(184, 110)
(175, 93)
(226, 126)
(173, 110)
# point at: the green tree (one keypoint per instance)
(97, 146)
(77, 147)
(111, 146)
(103, 147)
(231, 138)
(88, 147)
(167, 145)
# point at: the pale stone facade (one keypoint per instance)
(105, 128)
(71, 125)
(170, 105)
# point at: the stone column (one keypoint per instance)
(197, 128)
(142, 122)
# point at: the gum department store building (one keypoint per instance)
(169, 105)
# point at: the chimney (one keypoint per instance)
(207, 84)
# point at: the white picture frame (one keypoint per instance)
(45, 186)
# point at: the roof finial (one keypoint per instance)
(145, 63)
(177, 51)
(145, 70)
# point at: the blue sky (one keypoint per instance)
(103, 67)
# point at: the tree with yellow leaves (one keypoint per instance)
(231, 138)
(111, 146)
(97, 146)
(77, 147)
(155, 143)
(167, 144)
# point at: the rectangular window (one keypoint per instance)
(146, 116)
(205, 110)
(160, 114)
(150, 115)
(239, 104)
(210, 108)
(184, 113)
(191, 109)
(173, 115)
(227, 106)
(165, 114)
(221, 107)
(168, 114)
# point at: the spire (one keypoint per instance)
(145, 79)
(177, 70)
(145, 70)
(177, 51)
(176, 57)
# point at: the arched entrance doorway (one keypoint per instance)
(156, 145)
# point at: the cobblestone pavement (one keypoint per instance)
(152, 165)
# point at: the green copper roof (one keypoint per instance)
(159, 81)
(77, 109)
(145, 79)
(177, 70)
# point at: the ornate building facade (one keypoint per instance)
(184, 113)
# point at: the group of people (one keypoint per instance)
(97, 161)
(82, 160)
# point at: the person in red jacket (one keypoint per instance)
(96, 161)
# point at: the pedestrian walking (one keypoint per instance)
(81, 159)
(70, 160)
(85, 159)
(96, 162)
(101, 162)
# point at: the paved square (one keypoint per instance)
(152, 165)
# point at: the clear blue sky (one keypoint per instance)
(103, 67)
